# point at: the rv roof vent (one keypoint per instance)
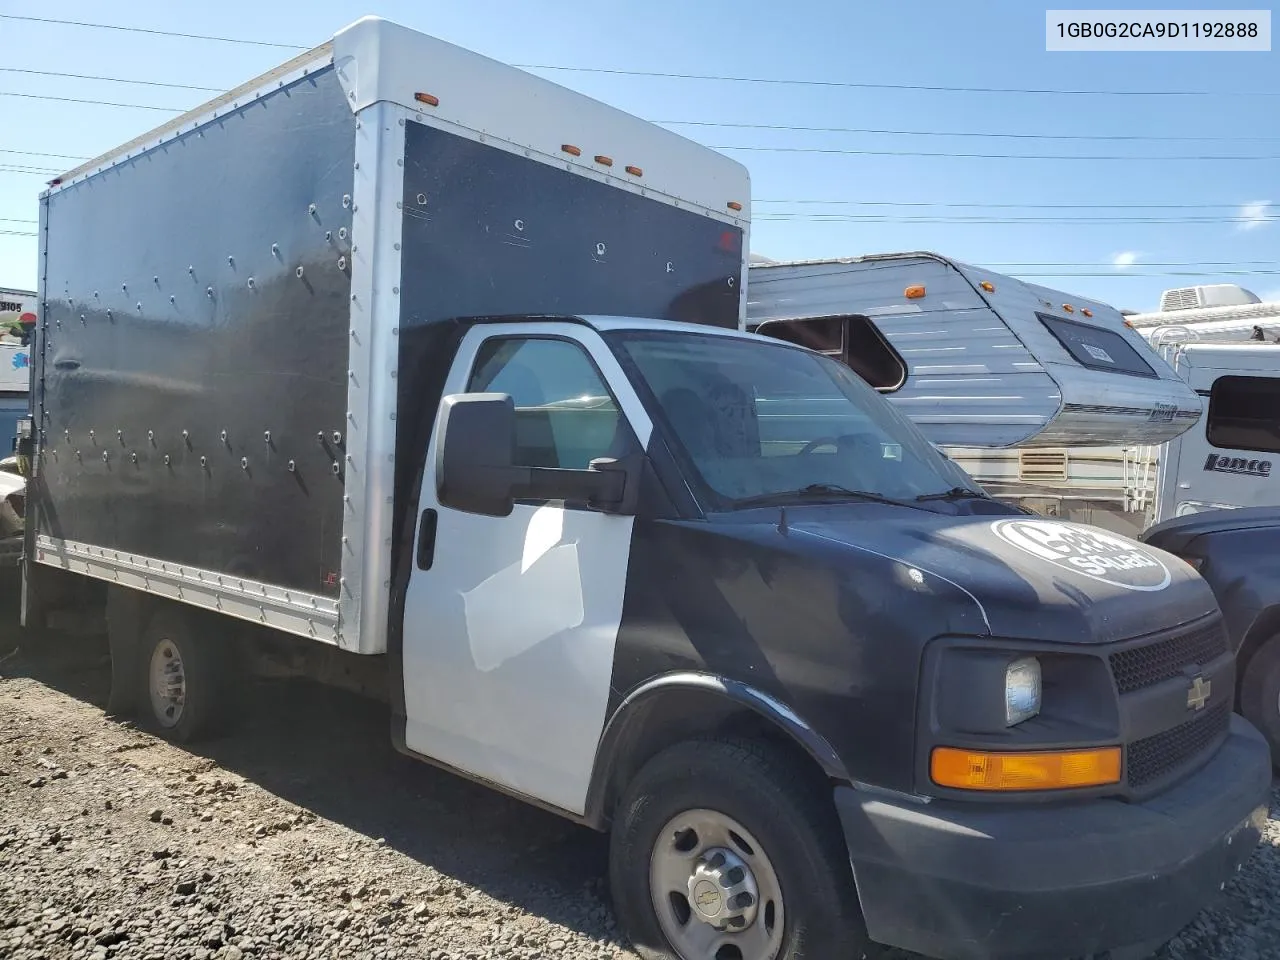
(1210, 295)
(1042, 465)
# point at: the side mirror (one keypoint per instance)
(475, 471)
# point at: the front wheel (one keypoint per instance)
(1260, 693)
(728, 850)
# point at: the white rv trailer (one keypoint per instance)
(1223, 312)
(1224, 461)
(976, 358)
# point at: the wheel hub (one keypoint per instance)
(168, 683)
(715, 890)
(722, 890)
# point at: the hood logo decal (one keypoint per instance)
(1092, 553)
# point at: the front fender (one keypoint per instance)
(637, 729)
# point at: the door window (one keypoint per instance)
(565, 415)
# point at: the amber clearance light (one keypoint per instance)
(1054, 770)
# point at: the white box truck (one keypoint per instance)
(425, 375)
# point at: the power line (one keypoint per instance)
(87, 76)
(961, 133)
(795, 128)
(813, 150)
(783, 81)
(1011, 221)
(1147, 263)
(1013, 206)
(35, 153)
(15, 220)
(981, 156)
(22, 168)
(157, 33)
(1158, 273)
(861, 85)
(17, 233)
(98, 103)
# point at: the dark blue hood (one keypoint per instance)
(1030, 578)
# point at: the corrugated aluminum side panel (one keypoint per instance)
(970, 381)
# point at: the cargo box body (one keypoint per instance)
(219, 392)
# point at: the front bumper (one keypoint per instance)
(999, 882)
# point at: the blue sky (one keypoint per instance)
(991, 44)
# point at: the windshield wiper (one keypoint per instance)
(814, 493)
(955, 493)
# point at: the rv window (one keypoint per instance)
(824, 334)
(853, 340)
(1243, 414)
(1096, 348)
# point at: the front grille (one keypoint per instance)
(1165, 659)
(1153, 757)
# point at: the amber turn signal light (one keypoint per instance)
(914, 292)
(1051, 770)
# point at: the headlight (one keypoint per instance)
(1021, 690)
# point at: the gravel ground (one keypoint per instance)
(306, 835)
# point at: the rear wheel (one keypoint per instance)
(1260, 693)
(182, 681)
(729, 850)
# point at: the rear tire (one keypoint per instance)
(182, 678)
(1260, 693)
(762, 829)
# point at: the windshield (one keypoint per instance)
(753, 418)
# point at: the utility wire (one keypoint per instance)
(962, 133)
(34, 153)
(795, 128)
(784, 81)
(1169, 138)
(97, 103)
(156, 33)
(813, 150)
(1012, 206)
(88, 76)
(888, 218)
(983, 156)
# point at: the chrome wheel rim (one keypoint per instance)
(168, 684)
(714, 889)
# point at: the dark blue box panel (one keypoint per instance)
(184, 362)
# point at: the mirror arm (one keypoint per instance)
(549, 483)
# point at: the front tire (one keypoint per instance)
(1260, 693)
(730, 850)
(182, 674)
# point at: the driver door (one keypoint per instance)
(510, 629)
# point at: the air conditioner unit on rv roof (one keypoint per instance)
(1211, 295)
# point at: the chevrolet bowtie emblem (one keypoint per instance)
(1198, 693)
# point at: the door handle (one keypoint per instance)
(427, 539)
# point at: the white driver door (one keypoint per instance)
(509, 634)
